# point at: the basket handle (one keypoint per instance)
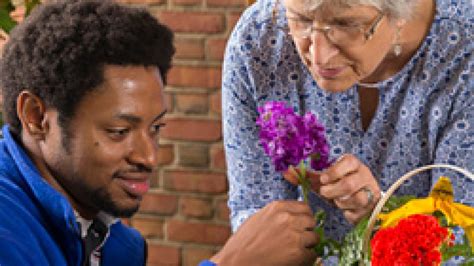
(395, 186)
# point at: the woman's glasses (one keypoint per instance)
(341, 34)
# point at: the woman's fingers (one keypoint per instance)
(291, 175)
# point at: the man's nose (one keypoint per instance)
(144, 151)
(321, 48)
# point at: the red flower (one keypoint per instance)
(415, 240)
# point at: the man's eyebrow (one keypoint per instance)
(158, 117)
(133, 119)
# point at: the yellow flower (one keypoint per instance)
(441, 199)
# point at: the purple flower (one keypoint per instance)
(289, 138)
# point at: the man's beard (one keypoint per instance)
(104, 202)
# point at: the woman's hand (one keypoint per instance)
(347, 183)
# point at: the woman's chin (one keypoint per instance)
(335, 85)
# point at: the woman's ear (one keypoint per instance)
(31, 112)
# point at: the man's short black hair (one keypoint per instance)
(59, 52)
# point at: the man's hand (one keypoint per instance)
(347, 183)
(277, 235)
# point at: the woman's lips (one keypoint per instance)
(135, 187)
(329, 73)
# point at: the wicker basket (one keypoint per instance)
(394, 187)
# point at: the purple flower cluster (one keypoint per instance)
(289, 138)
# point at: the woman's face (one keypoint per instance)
(336, 62)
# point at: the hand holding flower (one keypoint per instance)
(345, 184)
(351, 186)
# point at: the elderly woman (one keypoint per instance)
(391, 80)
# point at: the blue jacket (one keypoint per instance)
(37, 223)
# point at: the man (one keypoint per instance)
(82, 83)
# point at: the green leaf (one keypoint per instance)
(459, 249)
(6, 22)
(395, 202)
(7, 5)
(30, 4)
(468, 263)
(326, 247)
(351, 250)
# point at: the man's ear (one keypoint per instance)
(31, 111)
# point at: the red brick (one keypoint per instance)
(215, 102)
(192, 256)
(165, 154)
(195, 207)
(193, 181)
(193, 155)
(148, 226)
(232, 19)
(215, 48)
(157, 203)
(222, 210)
(192, 22)
(141, 1)
(191, 76)
(218, 157)
(192, 103)
(187, 2)
(192, 129)
(162, 255)
(227, 3)
(197, 232)
(169, 101)
(189, 48)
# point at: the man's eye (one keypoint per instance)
(156, 128)
(117, 132)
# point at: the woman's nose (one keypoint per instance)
(321, 48)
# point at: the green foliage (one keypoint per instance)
(459, 249)
(6, 22)
(6, 7)
(351, 250)
(30, 4)
(395, 202)
(326, 247)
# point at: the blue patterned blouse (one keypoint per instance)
(425, 113)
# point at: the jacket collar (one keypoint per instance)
(59, 211)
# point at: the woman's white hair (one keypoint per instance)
(395, 8)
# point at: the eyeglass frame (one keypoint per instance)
(368, 34)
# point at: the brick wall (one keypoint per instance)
(185, 217)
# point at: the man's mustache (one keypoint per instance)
(133, 170)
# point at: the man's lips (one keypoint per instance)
(134, 184)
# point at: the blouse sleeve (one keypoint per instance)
(253, 182)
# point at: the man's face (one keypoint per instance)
(112, 143)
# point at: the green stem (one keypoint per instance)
(304, 183)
